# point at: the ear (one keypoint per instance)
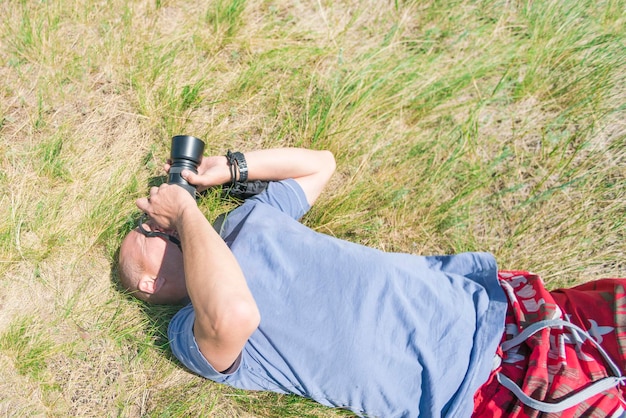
(149, 284)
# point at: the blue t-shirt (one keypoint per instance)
(382, 334)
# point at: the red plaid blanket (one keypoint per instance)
(571, 368)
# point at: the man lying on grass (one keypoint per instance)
(277, 306)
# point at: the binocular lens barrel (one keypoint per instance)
(186, 154)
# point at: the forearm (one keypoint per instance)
(274, 164)
(283, 163)
(310, 168)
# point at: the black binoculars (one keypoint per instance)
(186, 154)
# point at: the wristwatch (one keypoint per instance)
(238, 158)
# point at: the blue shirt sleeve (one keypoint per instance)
(184, 346)
(286, 196)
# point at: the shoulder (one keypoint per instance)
(286, 196)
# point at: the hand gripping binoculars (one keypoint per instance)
(186, 154)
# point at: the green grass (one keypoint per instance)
(457, 126)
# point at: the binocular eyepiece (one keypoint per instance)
(185, 154)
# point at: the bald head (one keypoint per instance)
(151, 269)
(131, 263)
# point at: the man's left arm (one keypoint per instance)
(310, 168)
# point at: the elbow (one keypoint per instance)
(328, 162)
(247, 317)
(241, 319)
(326, 166)
(232, 322)
(221, 340)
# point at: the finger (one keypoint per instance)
(143, 204)
(190, 176)
(194, 179)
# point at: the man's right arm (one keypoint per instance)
(225, 311)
